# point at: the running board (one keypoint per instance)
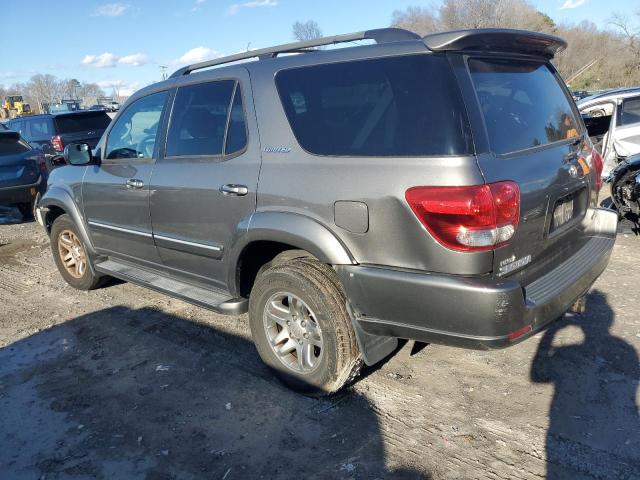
(211, 299)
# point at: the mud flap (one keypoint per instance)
(373, 347)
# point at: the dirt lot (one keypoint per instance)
(126, 383)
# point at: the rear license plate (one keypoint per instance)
(563, 212)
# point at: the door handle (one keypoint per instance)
(234, 190)
(134, 183)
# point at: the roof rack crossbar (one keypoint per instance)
(381, 35)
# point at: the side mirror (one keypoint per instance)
(78, 154)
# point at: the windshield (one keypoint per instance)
(82, 122)
(523, 104)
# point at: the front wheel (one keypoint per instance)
(301, 327)
(70, 255)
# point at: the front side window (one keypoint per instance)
(199, 120)
(630, 111)
(134, 133)
(523, 104)
(397, 106)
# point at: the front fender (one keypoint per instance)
(59, 197)
(293, 229)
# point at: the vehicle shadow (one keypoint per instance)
(123, 393)
(594, 425)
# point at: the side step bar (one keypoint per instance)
(211, 299)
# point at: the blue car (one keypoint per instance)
(23, 173)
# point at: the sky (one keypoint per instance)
(124, 43)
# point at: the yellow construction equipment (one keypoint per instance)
(14, 106)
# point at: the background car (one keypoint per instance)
(23, 173)
(50, 133)
(613, 121)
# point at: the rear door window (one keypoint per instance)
(39, 129)
(83, 122)
(199, 119)
(523, 104)
(397, 106)
(630, 111)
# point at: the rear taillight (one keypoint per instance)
(598, 165)
(473, 218)
(58, 144)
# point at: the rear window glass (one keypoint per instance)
(522, 103)
(10, 146)
(39, 129)
(82, 123)
(399, 106)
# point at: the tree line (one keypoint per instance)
(595, 58)
(609, 57)
(48, 89)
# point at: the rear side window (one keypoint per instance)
(39, 129)
(630, 111)
(399, 106)
(523, 104)
(199, 120)
(12, 146)
(82, 122)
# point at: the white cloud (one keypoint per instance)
(572, 4)
(119, 87)
(235, 8)
(103, 60)
(135, 59)
(197, 54)
(110, 10)
(108, 60)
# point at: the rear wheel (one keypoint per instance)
(70, 255)
(301, 328)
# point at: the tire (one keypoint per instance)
(64, 235)
(311, 289)
(28, 210)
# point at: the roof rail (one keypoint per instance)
(380, 35)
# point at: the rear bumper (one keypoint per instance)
(475, 312)
(19, 193)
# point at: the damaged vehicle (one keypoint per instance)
(613, 121)
(441, 189)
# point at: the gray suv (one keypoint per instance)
(441, 189)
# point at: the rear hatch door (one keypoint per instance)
(82, 127)
(18, 164)
(536, 139)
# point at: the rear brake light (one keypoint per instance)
(598, 165)
(473, 218)
(58, 144)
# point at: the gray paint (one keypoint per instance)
(399, 280)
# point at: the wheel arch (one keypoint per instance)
(57, 201)
(269, 234)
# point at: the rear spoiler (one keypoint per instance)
(501, 40)
(9, 135)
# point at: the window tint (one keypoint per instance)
(523, 104)
(630, 111)
(199, 119)
(237, 132)
(83, 122)
(401, 106)
(134, 133)
(39, 129)
(12, 146)
(18, 126)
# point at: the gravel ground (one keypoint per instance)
(123, 382)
